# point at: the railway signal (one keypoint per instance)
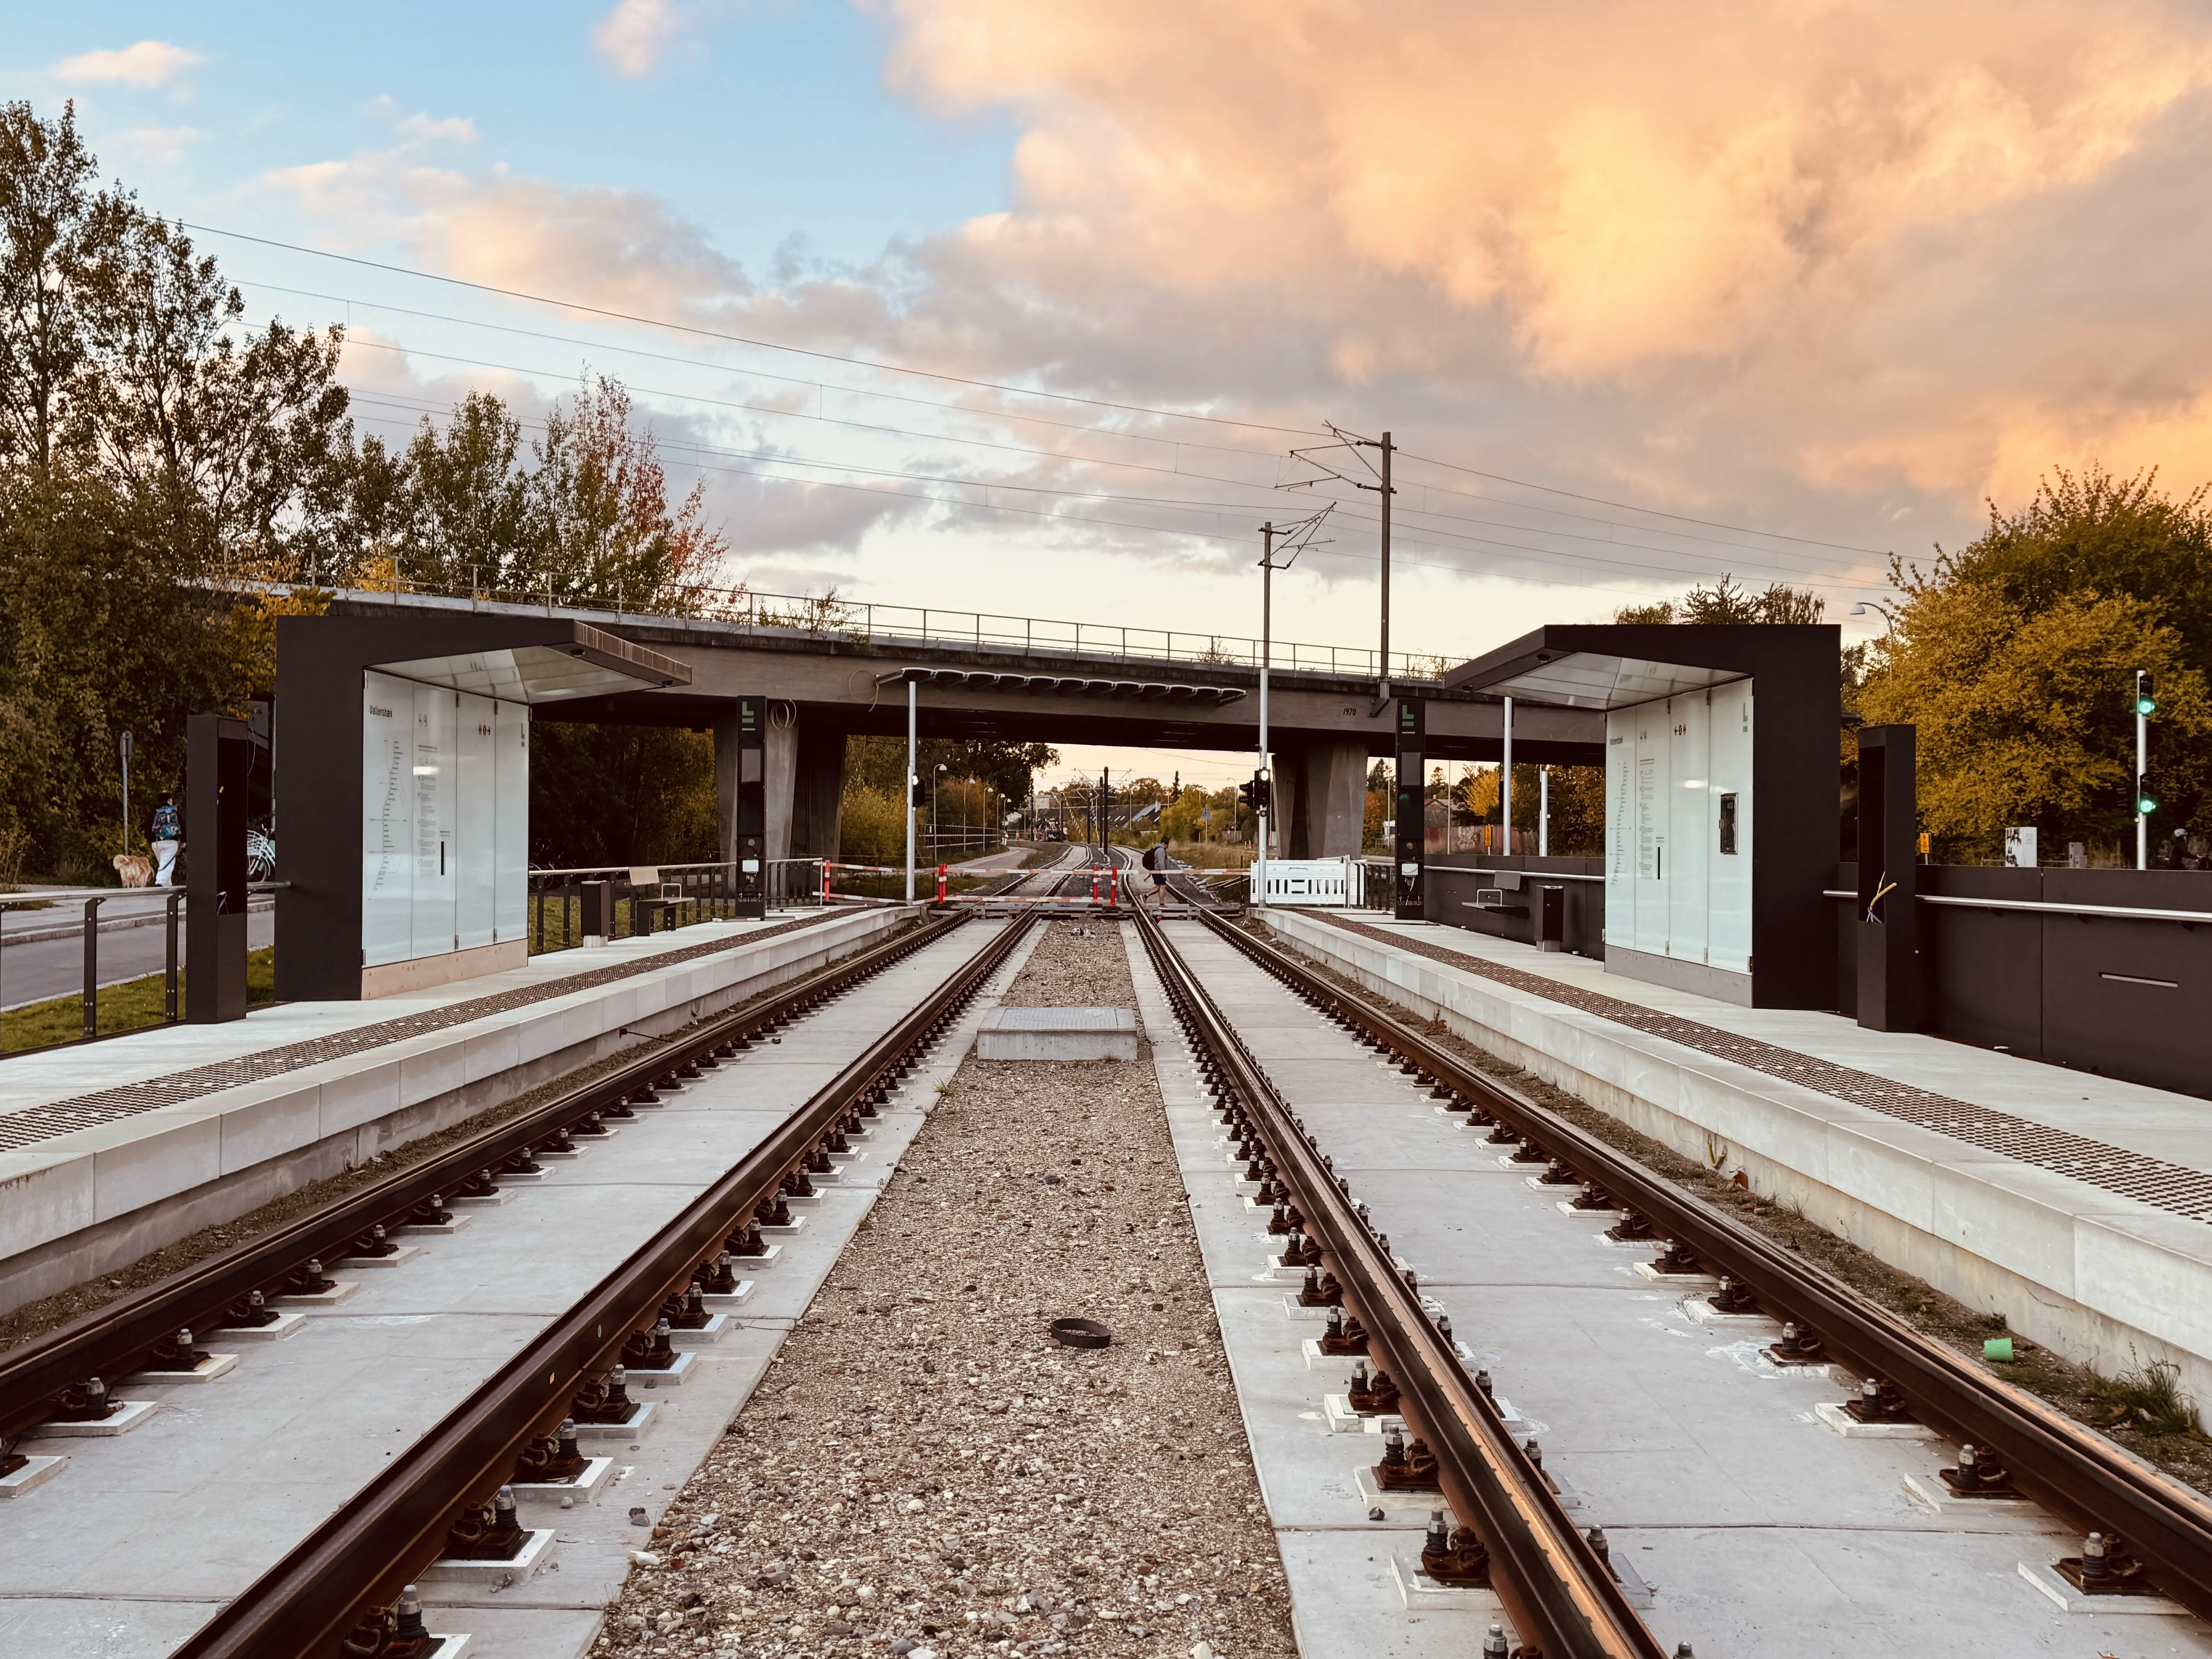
(2146, 704)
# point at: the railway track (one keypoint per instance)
(343, 1590)
(340, 1591)
(60, 1374)
(1561, 1599)
(2156, 1532)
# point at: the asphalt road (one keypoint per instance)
(55, 968)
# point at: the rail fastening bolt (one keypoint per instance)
(2095, 1567)
(408, 1622)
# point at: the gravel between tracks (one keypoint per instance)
(922, 1471)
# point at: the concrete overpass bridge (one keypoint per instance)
(837, 671)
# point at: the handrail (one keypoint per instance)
(624, 870)
(2122, 912)
(1526, 875)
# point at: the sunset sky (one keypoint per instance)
(1646, 293)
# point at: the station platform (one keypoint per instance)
(114, 1149)
(2076, 1205)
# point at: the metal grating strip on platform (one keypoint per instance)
(2173, 1187)
(31, 1124)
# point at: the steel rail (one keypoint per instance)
(360, 1559)
(112, 1340)
(1563, 1600)
(2064, 1465)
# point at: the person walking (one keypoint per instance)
(1157, 861)
(167, 833)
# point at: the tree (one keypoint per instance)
(605, 532)
(55, 231)
(2014, 656)
(465, 519)
(2026, 717)
(621, 795)
(222, 443)
(1727, 601)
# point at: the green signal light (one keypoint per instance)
(2145, 706)
(2145, 805)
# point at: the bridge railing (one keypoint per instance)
(864, 621)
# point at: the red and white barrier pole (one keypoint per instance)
(940, 884)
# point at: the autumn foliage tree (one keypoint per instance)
(2015, 658)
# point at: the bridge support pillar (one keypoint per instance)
(1326, 809)
(817, 790)
(802, 776)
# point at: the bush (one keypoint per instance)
(872, 827)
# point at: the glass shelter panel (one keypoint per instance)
(445, 820)
(387, 828)
(475, 823)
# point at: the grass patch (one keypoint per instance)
(133, 1005)
(2149, 1396)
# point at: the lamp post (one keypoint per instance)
(1866, 607)
(1266, 621)
(936, 829)
(911, 782)
(1301, 536)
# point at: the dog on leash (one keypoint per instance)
(136, 869)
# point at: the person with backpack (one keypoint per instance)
(1158, 861)
(167, 833)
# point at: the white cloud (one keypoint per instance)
(158, 144)
(1836, 269)
(433, 129)
(149, 64)
(634, 35)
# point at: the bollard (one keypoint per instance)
(940, 884)
(172, 997)
(91, 967)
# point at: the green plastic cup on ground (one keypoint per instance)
(1999, 1349)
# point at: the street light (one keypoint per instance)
(1866, 607)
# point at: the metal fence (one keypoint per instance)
(55, 967)
(640, 899)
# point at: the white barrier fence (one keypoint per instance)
(1337, 882)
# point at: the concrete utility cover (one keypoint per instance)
(1057, 1034)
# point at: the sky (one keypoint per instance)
(1023, 307)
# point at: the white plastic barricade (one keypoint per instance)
(1336, 882)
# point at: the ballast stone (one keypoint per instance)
(1057, 1034)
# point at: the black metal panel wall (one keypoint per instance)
(1412, 773)
(219, 753)
(2109, 995)
(1454, 879)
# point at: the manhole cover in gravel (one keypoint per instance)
(1080, 1332)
